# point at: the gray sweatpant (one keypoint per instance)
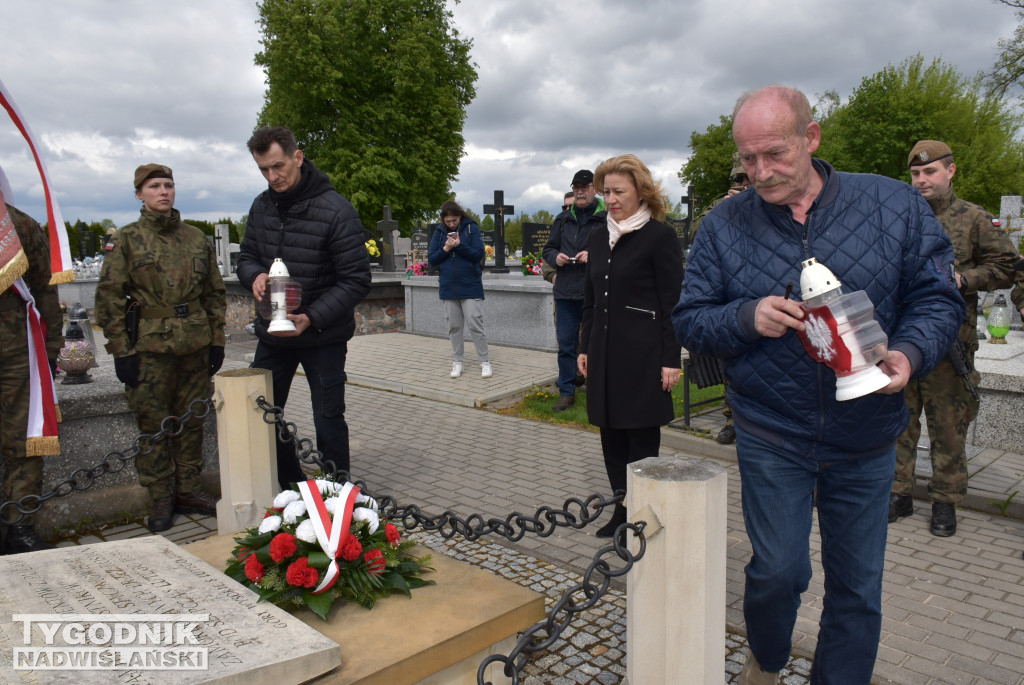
(463, 313)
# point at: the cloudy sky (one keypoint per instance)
(107, 85)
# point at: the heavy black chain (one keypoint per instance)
(530, 642)
(83, 479)
(575, 513)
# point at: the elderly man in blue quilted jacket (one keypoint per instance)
(798, 447)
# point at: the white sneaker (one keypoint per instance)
(456, 369)
(485, 370)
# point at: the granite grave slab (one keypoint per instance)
(145, 611)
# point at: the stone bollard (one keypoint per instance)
(247, 445)
(675, 623)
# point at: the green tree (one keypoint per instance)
(487, 224)
(891, 110)
(514, 231)
(1008, 71)
(709, 163)
(376, 92)
(543, 216)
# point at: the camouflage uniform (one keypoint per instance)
(1017, 294)
(23, 475)
(984, 257)
(162, 262)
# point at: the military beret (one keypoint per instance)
(149, 170)
(928, 151)
(583, 177)
(737, 165)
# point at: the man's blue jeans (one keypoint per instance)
(781, 487)
(567, 330)
(324, 366)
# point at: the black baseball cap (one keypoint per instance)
(583, 177)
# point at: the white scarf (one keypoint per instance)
(633, 223)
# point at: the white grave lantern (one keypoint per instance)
(841, 332)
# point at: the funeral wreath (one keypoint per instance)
(323, 541)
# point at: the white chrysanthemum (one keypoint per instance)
(368, 515)
(305, 531)
(271, 524)
(293, 512)
(331, 504)
(368, 501)
(285, 498)
(328, 487)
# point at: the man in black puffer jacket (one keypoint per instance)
(301, 219)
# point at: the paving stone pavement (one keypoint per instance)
(952, 607)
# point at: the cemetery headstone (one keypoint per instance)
(387, 227)
(499, 209)
(1010, 213)
(534, 237)
(145, 611)
(223, 245)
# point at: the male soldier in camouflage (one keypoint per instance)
(170, 269)
(740, 182)
(23, 473)
(984, 261)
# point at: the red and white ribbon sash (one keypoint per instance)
(330, 542)
(60, 250)
(42, 428)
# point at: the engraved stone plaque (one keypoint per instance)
(145, 611)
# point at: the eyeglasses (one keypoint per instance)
(581, 186)
(739, 178)
(565, 207)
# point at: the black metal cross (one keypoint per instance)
(499, 209)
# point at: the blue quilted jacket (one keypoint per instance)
(876, 234)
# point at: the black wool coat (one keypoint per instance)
(627, 328)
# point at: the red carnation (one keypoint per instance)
(253, 569)
(300, 574)
(243, 552)
(374, 562)
(391, 533)
(351, 548)
(282, 546)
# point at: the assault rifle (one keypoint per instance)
(960, 360)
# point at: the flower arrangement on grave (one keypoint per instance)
(489, 251)
(372, 249)
(417, 269)
(531, 264)
(324, 541)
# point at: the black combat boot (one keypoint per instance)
(943, 519)
(196, 502)
(161, 516)
(900, 507)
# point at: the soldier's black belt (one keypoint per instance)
(178, 311)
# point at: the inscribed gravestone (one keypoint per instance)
(1010, 212)
(145, 611)
(534, 237)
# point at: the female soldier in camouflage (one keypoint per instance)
(170, 270)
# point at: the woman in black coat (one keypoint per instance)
(631, 360)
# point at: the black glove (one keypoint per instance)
(216, 358)
(127, 370)
(53, 367)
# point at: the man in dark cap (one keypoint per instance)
(984, 261)
(566, 251)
